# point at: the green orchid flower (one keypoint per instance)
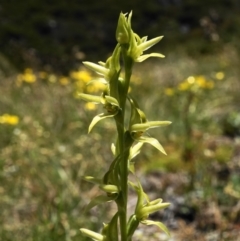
(123, 31)
(109, 103)
(111, 192)
(144, 208)
(139, 45)
(107, 69)
(139, 125)
(110, 72)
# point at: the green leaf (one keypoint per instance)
(159, 224)
(137, 115)
(111, 176)
(91, 98)
(98, 118)
(98, 200)
(132, 225)
(93, 235)
(112, 231)
(152, 141)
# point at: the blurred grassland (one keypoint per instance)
(45, 149)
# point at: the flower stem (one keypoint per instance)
(124, 143)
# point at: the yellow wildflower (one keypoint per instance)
(81, 75)
(95, 87)
(169, 91)
(203, 83)
(52, 78)
(64, 80)
(220, 75)
(191, 80)
(90, 106)
(28, 76)
(9, 119)
(184, 86)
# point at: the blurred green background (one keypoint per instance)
(44, 146)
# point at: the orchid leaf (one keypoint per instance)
(98, 118)
(112, 231)
(137, 115)
(152, 141)
(98, 200)
(159, 224)
(111, 176)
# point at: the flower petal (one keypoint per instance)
(95, 236)
(141, 58)
(99, 69)
(148, 125)
(147, 210)
(159, 224)
(91, 98)
(97, 118)
(135, 150)
(154, 142)
(148, 44)
(92, 180)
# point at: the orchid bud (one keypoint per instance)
(123, 29)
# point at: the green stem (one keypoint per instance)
(124, 144)
(122, 199)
